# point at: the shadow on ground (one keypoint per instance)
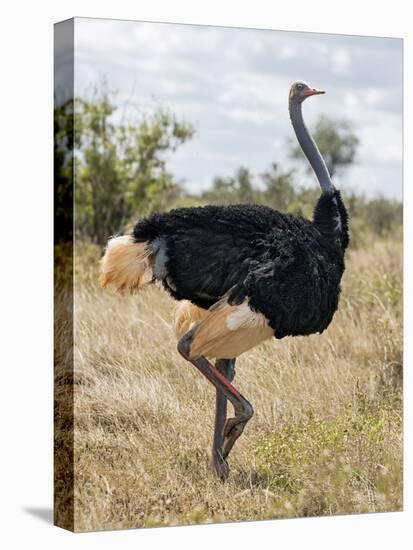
(44, 514)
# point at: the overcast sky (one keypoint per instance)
(232, 84)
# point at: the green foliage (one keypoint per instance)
(121, 167)
(275, 189)
(331, 453)
(336, 141)
(63, 172)
(382, 215)
(279, 190)
(232, 190)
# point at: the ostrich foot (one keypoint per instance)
(220, 465)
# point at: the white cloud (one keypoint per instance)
(287, 52)
(341, 61)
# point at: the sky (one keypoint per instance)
(233, 84)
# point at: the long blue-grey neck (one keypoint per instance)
(310, 148)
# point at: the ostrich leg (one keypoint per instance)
(227, 368)
(242, 408)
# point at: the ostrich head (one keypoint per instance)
(300, 90)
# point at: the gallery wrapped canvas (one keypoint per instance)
(228, 274)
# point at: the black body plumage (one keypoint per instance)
(289, 268)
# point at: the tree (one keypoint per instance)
(63, 172)
(234, 189)
(121, 168)
(244, 185)
(279, 191)
(336, 141)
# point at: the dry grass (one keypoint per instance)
(326, 437)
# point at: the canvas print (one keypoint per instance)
(228, 274)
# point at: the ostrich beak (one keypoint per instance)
(307, 93)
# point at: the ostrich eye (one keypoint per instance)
(299, 86)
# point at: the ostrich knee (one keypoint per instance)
(184, 344)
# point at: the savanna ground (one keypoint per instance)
(326, 437)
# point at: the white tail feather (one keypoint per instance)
(125, 265)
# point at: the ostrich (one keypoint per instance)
(243, 273)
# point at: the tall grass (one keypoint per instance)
(326, 437)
